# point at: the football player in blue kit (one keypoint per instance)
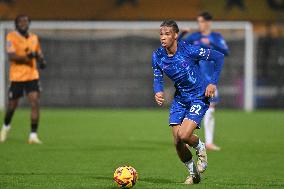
(209, 40)
(180, 62)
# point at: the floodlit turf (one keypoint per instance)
(82, 148)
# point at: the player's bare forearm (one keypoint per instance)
(18, 59)
(159, 97)
(210, 90)
(39, 55)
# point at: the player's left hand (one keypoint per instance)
(210, 90)
(42, 64)
(41, 61)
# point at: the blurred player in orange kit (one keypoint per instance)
(24, 53)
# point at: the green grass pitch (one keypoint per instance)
(82, 148)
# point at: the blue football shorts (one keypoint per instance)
(193, 110)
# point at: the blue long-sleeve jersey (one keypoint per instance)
(183, 69)
(217, 43)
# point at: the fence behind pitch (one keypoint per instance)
(109, 65)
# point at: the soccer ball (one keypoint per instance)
(125, 176)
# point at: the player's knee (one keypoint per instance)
(13, 102)
(35, 103)
(193, 139)
(34, 119)
(183, 136)
(11, 107)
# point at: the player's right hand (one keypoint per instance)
(210, 90)
(159, 97)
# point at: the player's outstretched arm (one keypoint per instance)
(158, 83)
(218, 58)
(41, 61)
(200, 53)
(40, 58)
(220, 45)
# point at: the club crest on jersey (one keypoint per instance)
(184, 64)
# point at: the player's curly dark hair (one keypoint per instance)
(170, 23)
(21, 16)
(206, 15)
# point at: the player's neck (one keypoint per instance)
(172, 50)
(23, 33)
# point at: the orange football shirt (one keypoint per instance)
(18, 44)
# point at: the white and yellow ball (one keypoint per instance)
(125, 177)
